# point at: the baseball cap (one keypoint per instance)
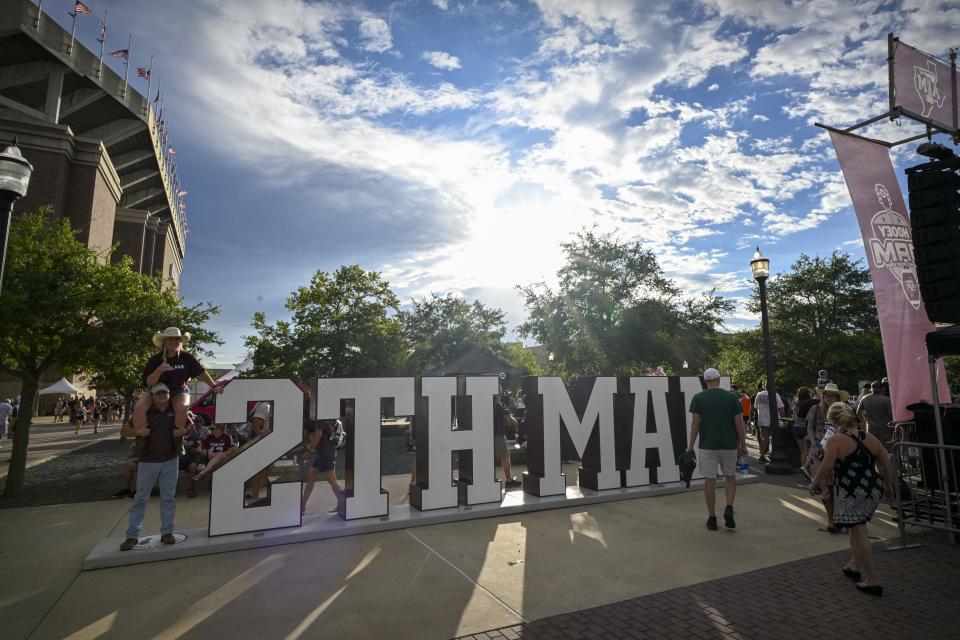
(711, 374)
(262, 411)
(157, 388)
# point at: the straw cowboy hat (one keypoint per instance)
(170, 332)
(831, 387)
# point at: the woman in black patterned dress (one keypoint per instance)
(851, 457)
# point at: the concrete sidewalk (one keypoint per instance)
(438, 581)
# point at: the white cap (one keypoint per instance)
(711, 374)
(262, 411)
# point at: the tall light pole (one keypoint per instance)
(779, 464)
(14, 179)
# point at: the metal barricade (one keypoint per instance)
(927, 487)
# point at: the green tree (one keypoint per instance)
(62, 308)
(822, 316)
(615, 313)
(143, 305)
(440, 329)
(342, 325)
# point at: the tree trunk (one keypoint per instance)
(21, 437)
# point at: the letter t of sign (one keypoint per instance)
(364, 497)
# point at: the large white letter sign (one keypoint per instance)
(363, 497)
(436, 441)
(651, 432)
(227, 513)
(593, 435)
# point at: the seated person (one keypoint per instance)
(194, 458)
(218, 447)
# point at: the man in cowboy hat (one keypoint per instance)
(173, 367)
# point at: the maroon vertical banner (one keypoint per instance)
(878, 203)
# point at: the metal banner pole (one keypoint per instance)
(941, 454)
(126, 68)
(73, 32)
(893, 85)
(953, 89)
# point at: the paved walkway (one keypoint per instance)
(49, 440)
(802, 599)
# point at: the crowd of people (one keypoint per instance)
(89, 410)
(842, 444)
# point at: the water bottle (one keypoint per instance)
(743, 465)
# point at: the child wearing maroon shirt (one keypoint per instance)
(219, 447)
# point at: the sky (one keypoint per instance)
(454, 144)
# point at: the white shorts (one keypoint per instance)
(710, 459)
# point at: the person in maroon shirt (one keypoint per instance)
(173, 367)
(218, 447)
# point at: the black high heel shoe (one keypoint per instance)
(873, 589)
(853, 575)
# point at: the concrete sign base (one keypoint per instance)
(322, 526)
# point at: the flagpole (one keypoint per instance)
(126, 68)
(36, 22)
(102, 39)
(156, 117)
(149, 84)
(73, 32)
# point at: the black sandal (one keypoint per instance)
(853, 575)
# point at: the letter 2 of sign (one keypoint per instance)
(626, 432)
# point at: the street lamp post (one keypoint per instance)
(779, 463)
(14, 179)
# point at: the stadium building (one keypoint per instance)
(96, 145)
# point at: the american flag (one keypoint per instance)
(171, 151)
(181, 193)
(103, 31)
(121, 53)
(143, 72)
(183, 206)
(79, 7)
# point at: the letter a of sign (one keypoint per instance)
(227, 513)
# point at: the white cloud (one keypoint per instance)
(713, 87)
(442, 60)
(440, 4)
(375, 34)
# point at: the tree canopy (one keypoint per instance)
(66, 307)
(343, 324)
(613, 312)
(441, 328)
(822, 316)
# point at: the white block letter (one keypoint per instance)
(227, 513)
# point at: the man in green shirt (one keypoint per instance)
(718, 420)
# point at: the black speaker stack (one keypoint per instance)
(935, 224)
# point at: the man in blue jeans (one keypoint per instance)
(159, 461)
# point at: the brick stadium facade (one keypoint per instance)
(94, 144)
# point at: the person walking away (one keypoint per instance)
(744, 404)
(58, 410)
(801, 407)
(876, 411)
(6, 411)
(76, 415)
(500, 450)
(764, 423)
(159, 463)
(819, 431)
(321, 453)
(718, 421)
(852, 458)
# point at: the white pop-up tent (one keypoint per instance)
(61, 386)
